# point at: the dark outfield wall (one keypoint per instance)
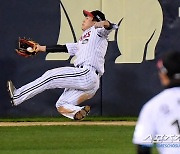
(124, 87)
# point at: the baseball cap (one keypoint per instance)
(97, 15)
(170, 64)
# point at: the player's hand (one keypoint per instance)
(26, 47)
(99, 24)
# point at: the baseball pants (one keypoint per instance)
(80, 84)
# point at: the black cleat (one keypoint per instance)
(80, 115)
(11, 88)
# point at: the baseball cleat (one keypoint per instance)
(11, 88)
(80, 115)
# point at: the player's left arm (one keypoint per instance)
(52, 48)
(70, 48)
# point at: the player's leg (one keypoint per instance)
(64, 77)
(68, 103)
(11, 89)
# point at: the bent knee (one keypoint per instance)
(83, 98)
(60, 109)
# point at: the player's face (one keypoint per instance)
(87, 23)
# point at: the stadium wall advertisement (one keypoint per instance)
(147, 29)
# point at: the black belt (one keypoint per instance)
(81, 66)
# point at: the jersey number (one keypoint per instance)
(176, 122)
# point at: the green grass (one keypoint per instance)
(62, 119)
(67, 140)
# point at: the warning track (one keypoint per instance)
(98, 123)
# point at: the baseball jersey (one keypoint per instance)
(159, 122)
(91, 48)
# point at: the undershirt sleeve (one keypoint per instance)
(56, 48)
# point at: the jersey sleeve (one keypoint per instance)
(103, 32)
(144, 130)
(72, 48)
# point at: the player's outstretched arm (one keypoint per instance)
(53, 48)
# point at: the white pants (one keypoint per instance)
(80, 84)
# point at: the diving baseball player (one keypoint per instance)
(159, 120)
(81, 81)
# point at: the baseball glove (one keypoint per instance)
(26, 47)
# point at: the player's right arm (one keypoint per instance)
(106, 24)
(104, 28)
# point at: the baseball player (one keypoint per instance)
(81, 81)
(159, 119)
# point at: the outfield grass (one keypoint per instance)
(67, 140)
(62, 119)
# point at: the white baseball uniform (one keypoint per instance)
(83, 79)
(159, 122)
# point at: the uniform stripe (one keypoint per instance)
(49, 79)
(93, 51)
